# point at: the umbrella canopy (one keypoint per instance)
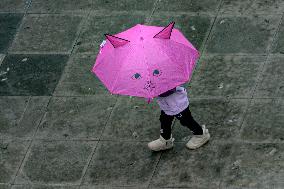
(145, 61)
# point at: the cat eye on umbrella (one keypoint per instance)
(136, 76)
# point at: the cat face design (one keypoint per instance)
(149, 85)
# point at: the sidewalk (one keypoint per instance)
(61, 129)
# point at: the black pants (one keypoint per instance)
(185, 119)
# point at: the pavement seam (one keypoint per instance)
(211, 28)
(25, 109)
(148, 20)
(153, 173)
(97, 144)
(207, 37)
(80, 30)
(18, 28)
(271, 45)
(30, 145)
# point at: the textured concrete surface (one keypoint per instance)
(61, 129)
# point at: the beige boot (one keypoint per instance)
(161, 144)
(198, 140)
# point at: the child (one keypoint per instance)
(174, 103)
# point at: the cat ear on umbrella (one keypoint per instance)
(116, 41)
(166, 32)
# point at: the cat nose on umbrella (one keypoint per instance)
(149, 86)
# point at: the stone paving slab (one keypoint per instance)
(125, 5)
(225, 76)
(254, 166)
(76, 117)
(98, 24)
(121, 164)
(272, 80)
(20, 116)
(31, 74)
(55, 162)
(12, 153)
(14, 5)
(264, 121)
(60, 6)
(222, 117)
(189, 6)
(252, 7)
(246, 34)
(195, 28)
(9, 24)
(181, 167)
(5, 186)
(77, 79)
(46, 33)
(133, 119)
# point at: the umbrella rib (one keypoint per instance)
(180, 67)
(146, 62)
(117, 74)
(191, 49)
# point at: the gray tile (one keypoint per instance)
(20, 116)
(223, 76)
(264, 121)
(43, 187)
(255, 166)
(14, 5)
(76, 117)
(97, 25)
(251, 34)
(59, 6)
(222, 118)
(278, 46)
(47, 33)
(124, 5)
(271, 83)
(5, 186)
(12, 153)
(78, 80)
(194, 28)
(60, 162)
(121, 164)
(252, 7)
(200, 168)
(30, 74)
(133, 119)
(206, 6)
(9, 24)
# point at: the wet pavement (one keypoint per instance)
(60, 128)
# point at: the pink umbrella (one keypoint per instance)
(145, 61)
